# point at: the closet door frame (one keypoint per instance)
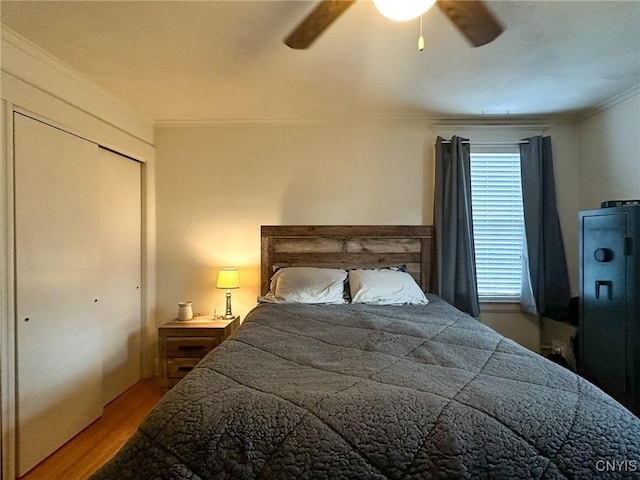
(7, 297)
(95, 131)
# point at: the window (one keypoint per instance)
(498, 224)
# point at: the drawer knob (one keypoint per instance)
(185, 369)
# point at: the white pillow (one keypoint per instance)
(306, 285)
(384, 287)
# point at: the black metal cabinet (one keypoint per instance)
(609, 326)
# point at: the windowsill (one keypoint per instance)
(499, 306)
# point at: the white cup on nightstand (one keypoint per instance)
(185, 311)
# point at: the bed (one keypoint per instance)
(361, 390)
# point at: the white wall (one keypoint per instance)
(609, 167)
(216, 184)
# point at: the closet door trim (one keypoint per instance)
(7, 300)
(52, 123)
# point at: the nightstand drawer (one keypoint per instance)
(196, 347)
(179, 367)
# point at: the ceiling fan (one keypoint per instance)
(471, 17)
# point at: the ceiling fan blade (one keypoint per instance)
(473, 19)
(317, 22)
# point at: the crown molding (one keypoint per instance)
(31, 64)
(276, 122)
(508, 121)
(430, 121)
(613, 101)
(238, 122)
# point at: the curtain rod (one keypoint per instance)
(468, 142)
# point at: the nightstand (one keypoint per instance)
(182, 344)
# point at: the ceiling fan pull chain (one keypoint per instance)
(420, 38)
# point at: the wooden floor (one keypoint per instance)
(96, 444)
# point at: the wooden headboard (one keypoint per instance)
(346, 246)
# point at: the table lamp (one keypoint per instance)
(228, 279)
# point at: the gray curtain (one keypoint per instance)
(455, 253)
(545, 285)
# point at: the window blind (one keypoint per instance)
(498, 224)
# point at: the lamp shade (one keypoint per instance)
(228, 278)
(402, 10)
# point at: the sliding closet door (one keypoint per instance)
(120, 247)
(59, 354)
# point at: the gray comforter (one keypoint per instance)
(371, 392)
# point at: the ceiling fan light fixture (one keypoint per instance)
(403, 10)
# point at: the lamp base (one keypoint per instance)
(228, 313)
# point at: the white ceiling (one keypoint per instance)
(225, 60)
